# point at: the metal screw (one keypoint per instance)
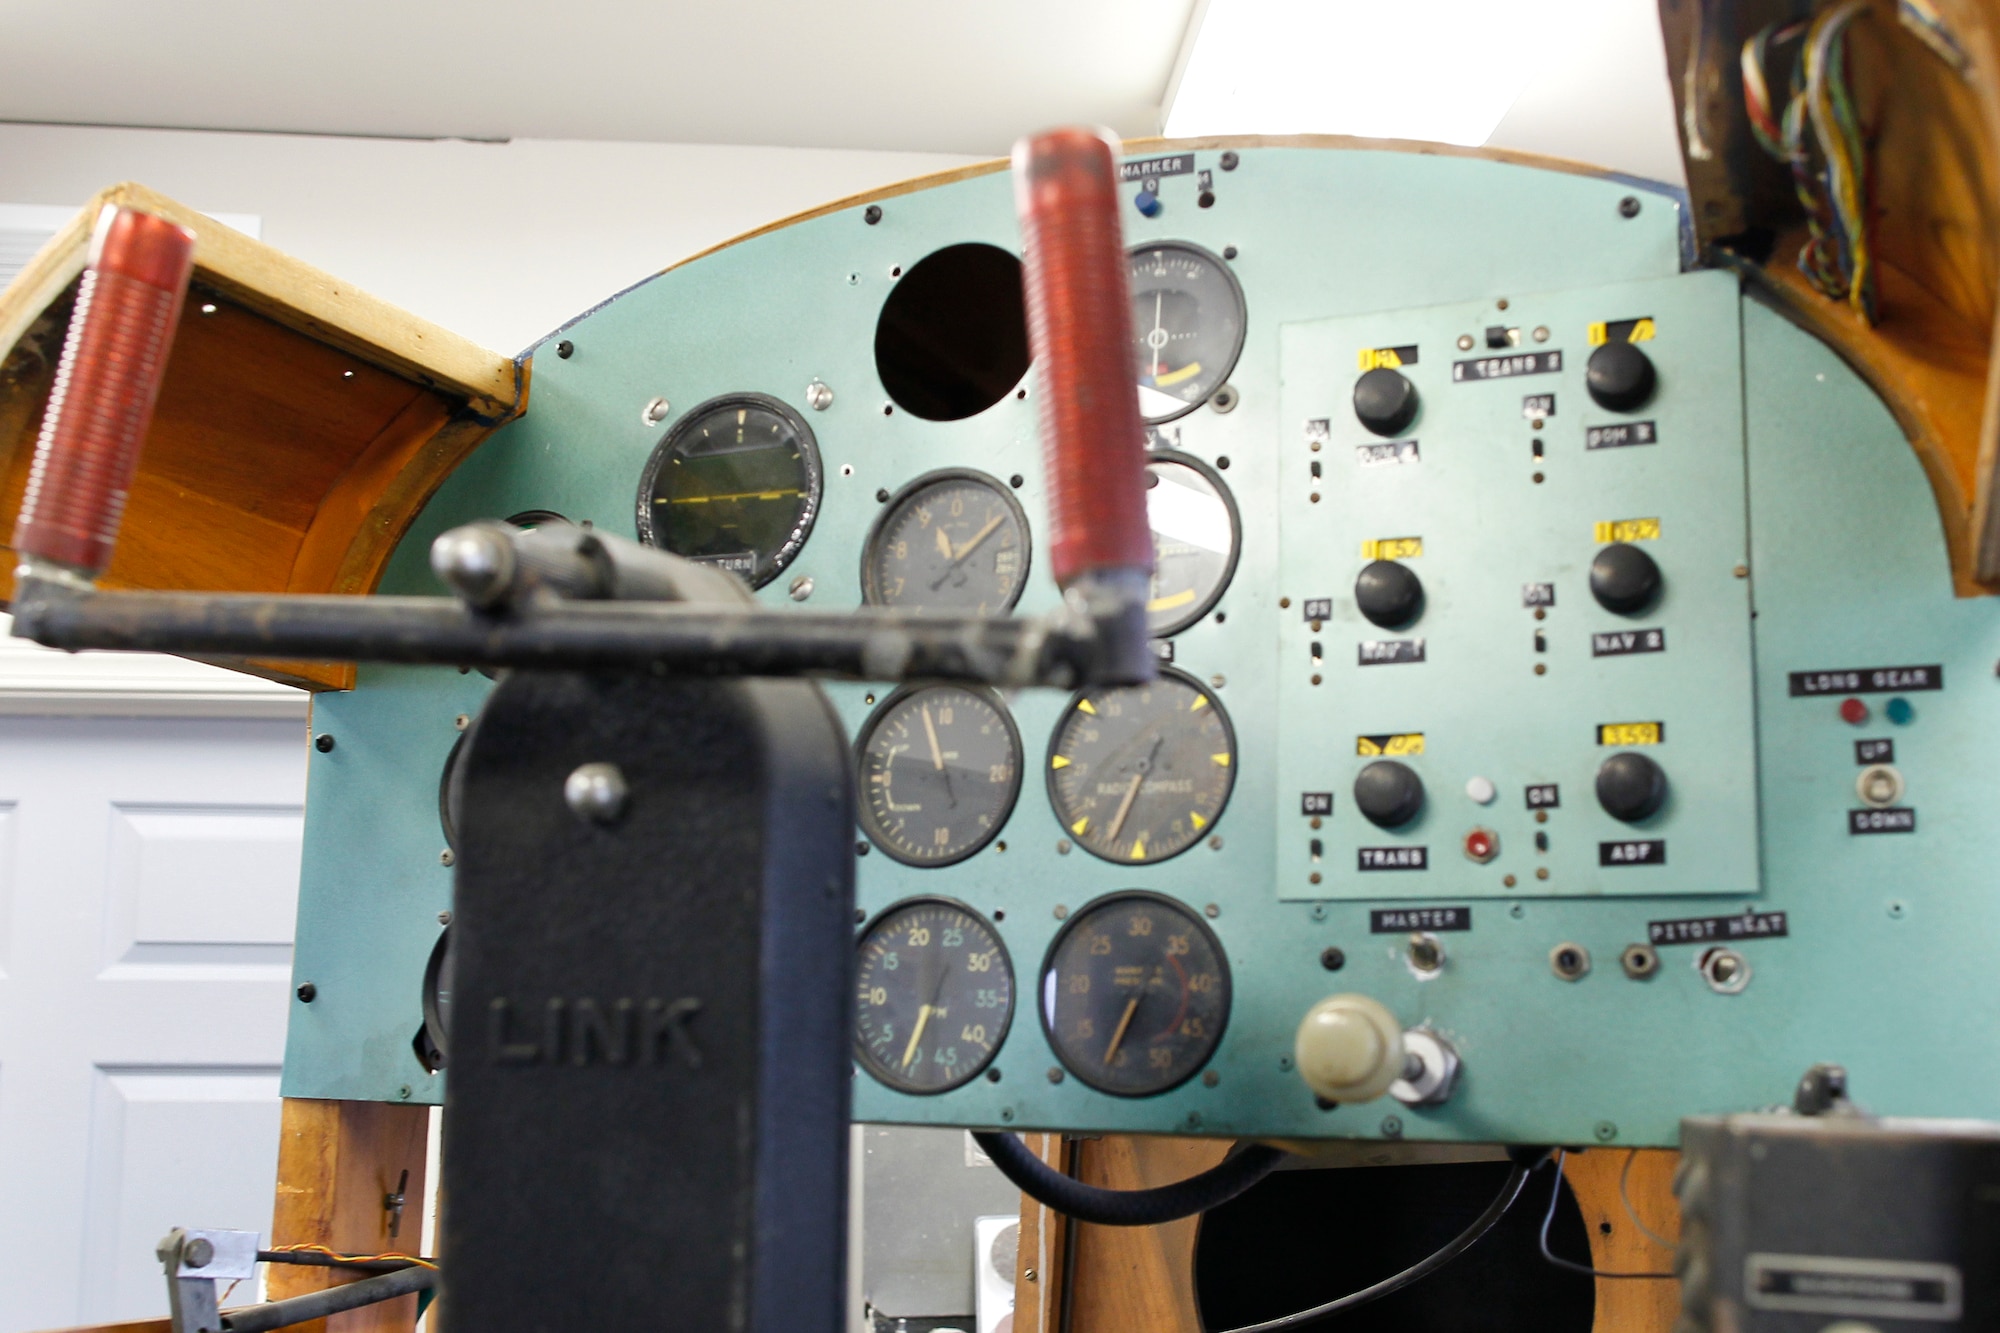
(1194, 1119)
(565, 349)
(447, 857)
(1517, 911)
(1031, 1275)
(307, 992)
(1500, 304)
(1507, 881)
(1055, 1074)
(1318, 912)
(1742, 571)
(1313, 878)
(1332, 959)
(1217, 681)
(655, 411)
(882, 495)
(1541, 872)
(1061, 911)
(324, 742)
(1639, 961)
(802, 587)
(1215, 843)
(1225, 399)
(1392, 1127)
(462, 721)
(404, 1092)
(1570, 962)
(1628, 207)
(1605, 1131)
(596, 793)
(1062, 847)
(1540, 335)
(1211, 911)
(1007, 1113)
(444, 918)
(1210, 1079)
(1464, 342)
(197, 1253)
(872, 214)
(1229, 160)
(818, 396)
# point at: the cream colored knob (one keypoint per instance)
(1349, 1048)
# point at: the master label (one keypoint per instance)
(1506, 367)
(1621, 643)
(1646, 852)
(1398, 920)
(1619, 436)
(1390, 652)
(1867, 680)
(1394, 858)
(1702, 929)
(1894, 819)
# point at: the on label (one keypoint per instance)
(1392, 548)
(1538, 594)
(1316, 803)
(1638, 330)
(1319, 608)
(1536, 405)
(1408, 742)
(1544, 796)
(1631, 733)
(1628, 530)
(1389, 358)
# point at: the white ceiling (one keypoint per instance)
(937, 75)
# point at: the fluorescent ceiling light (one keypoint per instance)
(1443, 70)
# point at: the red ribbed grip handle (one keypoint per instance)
(127, 308)
(1080, 330)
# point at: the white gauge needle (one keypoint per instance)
(943, 542)
(1125, 1021)
(992, 524)
(916, 1035)
(930, 731)
(1125, 806)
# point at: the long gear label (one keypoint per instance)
(1867, 680)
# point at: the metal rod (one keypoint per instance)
(320, 1304)
(668, 638)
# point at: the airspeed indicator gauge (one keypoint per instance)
(1138, 773)
(1188, 323)
(934, 996)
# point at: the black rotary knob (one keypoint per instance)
(1630, 786)
(1389, 594)
(1619, 377)
(1388, 793)
(1385, 401)
(1624, 579)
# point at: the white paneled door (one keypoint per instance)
(148, 875)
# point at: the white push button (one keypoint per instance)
(1349, 1048)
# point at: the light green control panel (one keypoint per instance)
(1560, 646)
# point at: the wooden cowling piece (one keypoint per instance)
(300, 427)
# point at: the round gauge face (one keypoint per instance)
(1196, 536)
(1138, 773)
(450, 793)
(437, 1001)
(952, 541)
(1187, 324)
(940, 769)
(934, 996)
(735, 483)
(1135, 994)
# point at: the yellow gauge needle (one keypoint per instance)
(1188, 371)
(943, 542)
(1125, 806)
(966, 549)
(1124, 1021)
(917, 1034)
(937, 755)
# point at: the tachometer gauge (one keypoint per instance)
(1187, 323)
(1196, 536)
(1137, 773)
(1135, 994)
(954, 541)
(940, 769)
(934, 995)
(735, 483)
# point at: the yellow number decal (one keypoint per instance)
(1631, 733)
(1628, 530)
(1392, 548)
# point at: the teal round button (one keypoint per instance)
(1899, 710)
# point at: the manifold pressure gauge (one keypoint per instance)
(735, 483)
(1188, 323)
(1137, 773)
(940, 770)
(1196, 536)
(933, 998)
(1135, 994)
(953, 540)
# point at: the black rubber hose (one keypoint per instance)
(1127, 1208)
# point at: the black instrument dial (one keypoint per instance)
(933, 998)
(735, 483)
(940, 770)
(1137, 773)
(1188, 324)
(953, 541)
(1135, 994)
(1196, 536)
(434, 1038)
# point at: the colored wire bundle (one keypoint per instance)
(1819, 137)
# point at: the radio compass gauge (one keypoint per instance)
(954, 540)
(735, 483)
(1188, 324)
(940, 770)
(1196, 536)
(933, 998)
(1137, 773)
(1135, 994)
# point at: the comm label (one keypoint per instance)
(1393, 858)
(1405, 742)
(1705, 929)
(1867, 680)
(1889, 819)
(1506, 367)
(1631, 733)
(1400, 920)
(1633, 852)
(1390, 652)
(1387, 452)
(1620, 435)
(1623, 643)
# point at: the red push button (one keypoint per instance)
(1482, 845)
(1853, 710)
